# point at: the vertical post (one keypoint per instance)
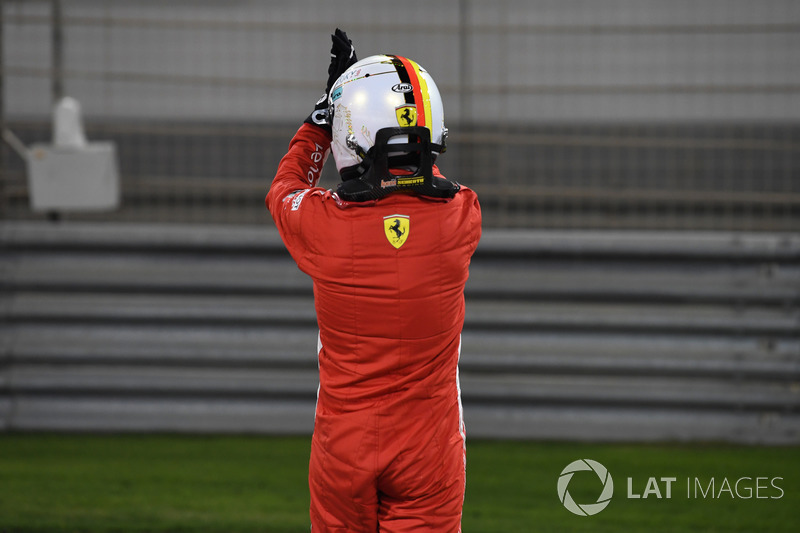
(3, 159)
(464, 66)
(57, 51)
(57, 79)
(464, 99)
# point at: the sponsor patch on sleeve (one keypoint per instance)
(297, 198)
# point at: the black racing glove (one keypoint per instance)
(343, 56)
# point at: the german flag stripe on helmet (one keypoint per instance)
(425, 96)
(409, 72)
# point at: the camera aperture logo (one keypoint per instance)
(664, 488)
(585, 509)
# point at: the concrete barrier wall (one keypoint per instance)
(568, 335)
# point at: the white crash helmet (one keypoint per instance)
(387, 114)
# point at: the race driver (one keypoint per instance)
(388, 252)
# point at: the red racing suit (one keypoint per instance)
(388, 451)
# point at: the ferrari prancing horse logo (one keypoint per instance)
(396, 228)
(406, 115)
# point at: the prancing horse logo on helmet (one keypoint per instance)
(396, 228)
(406, 115)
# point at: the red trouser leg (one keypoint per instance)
(422, 486)
(393, 469)
(342, 474)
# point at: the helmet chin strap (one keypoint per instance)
(377, 175)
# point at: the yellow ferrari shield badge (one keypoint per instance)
(406, 115)
(396, 228)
